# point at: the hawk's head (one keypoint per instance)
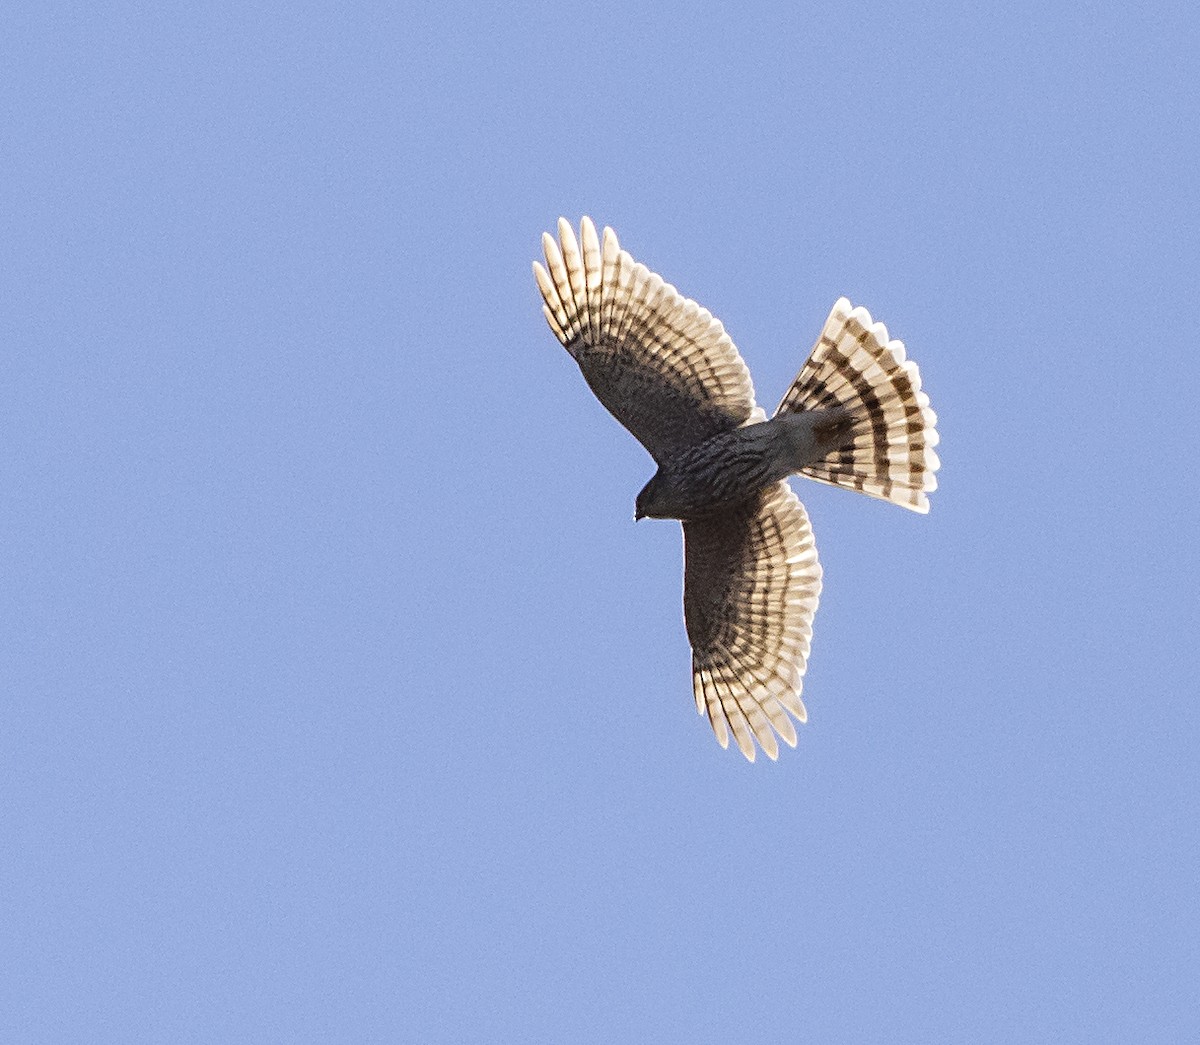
(642, 508)
(658, 499)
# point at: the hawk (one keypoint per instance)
(666, 369)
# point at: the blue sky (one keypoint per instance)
(342, 699)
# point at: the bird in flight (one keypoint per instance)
(855, 416)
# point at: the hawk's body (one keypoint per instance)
(726, 468)
(665, 368)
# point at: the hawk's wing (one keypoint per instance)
(661, 364)
(750, 588)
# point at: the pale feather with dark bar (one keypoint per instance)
(666, 369)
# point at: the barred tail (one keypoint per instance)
(888, 452)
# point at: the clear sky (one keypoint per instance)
(341, 699)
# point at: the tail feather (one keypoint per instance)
(888, 451)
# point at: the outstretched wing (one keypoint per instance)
(661, 364)
(750, 589)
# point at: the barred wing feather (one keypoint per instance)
(750, 590)
(662, 365)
